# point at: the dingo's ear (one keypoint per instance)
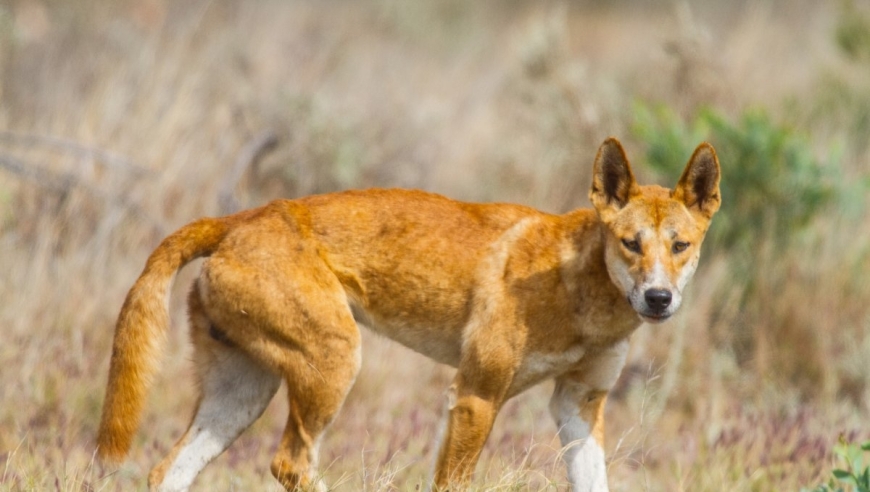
(698, 187)
(612, 180)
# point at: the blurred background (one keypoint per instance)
(122, 120)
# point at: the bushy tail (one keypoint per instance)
(141, 332)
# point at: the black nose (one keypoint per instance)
(658, 299)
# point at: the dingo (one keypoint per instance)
(508, 295)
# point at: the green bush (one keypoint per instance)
(855, 476)
(772, 185)
(775, 191)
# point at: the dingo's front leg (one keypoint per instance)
(577, 407)
(579, 413)
(473, 401)
(469, 421)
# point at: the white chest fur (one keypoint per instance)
(538, 366)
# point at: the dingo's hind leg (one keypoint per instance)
(316, 394)
(318, 379)
(234, 391)
(293, 317)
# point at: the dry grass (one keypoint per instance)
(122, 120)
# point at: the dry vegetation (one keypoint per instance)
(122, 120)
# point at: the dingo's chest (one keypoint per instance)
(538, 366)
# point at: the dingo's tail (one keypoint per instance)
(141, 332)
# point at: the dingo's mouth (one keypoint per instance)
(654, 318)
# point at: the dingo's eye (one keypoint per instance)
(632, 245)
(679, 246)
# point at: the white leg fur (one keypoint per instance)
(235, 391)
(583, 455)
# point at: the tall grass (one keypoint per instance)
(122, 120)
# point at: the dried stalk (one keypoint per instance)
(250, 154)
(63, 182)
(76, 149)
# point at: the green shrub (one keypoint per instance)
(772, 184)
(772, 187)
(855, 476)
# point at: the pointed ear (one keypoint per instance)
(612, 180)
(698, 187)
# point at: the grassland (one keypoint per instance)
(122, 120)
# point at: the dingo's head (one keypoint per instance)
(653, 235)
